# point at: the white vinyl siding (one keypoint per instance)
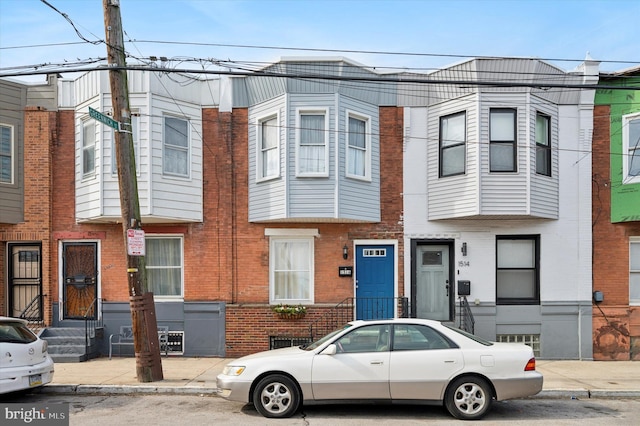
(631, 149)
(6, 154)
(312, 144)
(164, 263)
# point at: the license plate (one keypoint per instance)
(35, 380)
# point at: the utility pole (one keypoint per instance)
(143, 319)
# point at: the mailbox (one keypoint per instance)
(464, 288)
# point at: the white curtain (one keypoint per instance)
(357, 147)
(164, 266)
(291, 270)
(176, 146)
(270, 163)
(312, 144)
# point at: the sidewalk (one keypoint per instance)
(562, 379)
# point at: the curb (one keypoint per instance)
(127, 390)
(202, 391)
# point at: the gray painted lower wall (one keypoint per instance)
(203, 324)
(564, 327)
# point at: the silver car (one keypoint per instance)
(397, 360)
(24, 360)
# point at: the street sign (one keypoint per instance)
(105, 119)
(135, 242)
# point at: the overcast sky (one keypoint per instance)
(418, 34)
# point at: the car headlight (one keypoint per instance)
(233, 370)
(45, 346)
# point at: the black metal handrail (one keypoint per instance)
(92, 320)
(467, 322)
(33, 313)
(361, 308)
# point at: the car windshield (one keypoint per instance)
(15, 332)
(322, 340)
(470, 336)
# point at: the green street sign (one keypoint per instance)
(104, 119)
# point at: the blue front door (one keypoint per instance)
(375, 282)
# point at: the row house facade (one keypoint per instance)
(616, 217)
(319, 183)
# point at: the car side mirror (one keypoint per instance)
(329, 350)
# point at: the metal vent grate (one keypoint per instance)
(532, 340)
(277, 342)
(176, 342)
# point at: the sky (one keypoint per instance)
(419, 35)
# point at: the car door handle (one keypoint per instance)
(377, 362)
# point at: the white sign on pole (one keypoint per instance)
(135, 242)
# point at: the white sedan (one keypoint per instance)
(397, 360)
(24, 360)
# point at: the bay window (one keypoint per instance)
(176, 147)
(312, 144)
(453, 137)
(358, 147)
(502, 140)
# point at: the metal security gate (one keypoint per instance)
(80, 271)
(25, 281)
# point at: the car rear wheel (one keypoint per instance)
(468, 398)
(276, 396)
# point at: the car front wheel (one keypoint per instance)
(468, 398)
(276, 396)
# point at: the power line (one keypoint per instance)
(426, 80)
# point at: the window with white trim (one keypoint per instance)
(631, 148)
(634, 271)
(135, 134)
(6, 153)
(517, 270)
(502, 140)
(88, 147)
(358, 155)
(312, 144)
(543, 144)
(176, 146)
(164, 264)
(291, 261)
(453, 138)
(268, 147)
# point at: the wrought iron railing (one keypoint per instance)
(359, 308)
(33, 314)
(467, 322)
(92, 321)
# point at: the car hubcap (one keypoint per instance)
(470, 398)
(276, 398)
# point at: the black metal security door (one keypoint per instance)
(25, 281)
(80, 272)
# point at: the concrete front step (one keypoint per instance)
(66, 358)
(67, 344)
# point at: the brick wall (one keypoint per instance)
(249, 320)
(40, 133)
(615, 323)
